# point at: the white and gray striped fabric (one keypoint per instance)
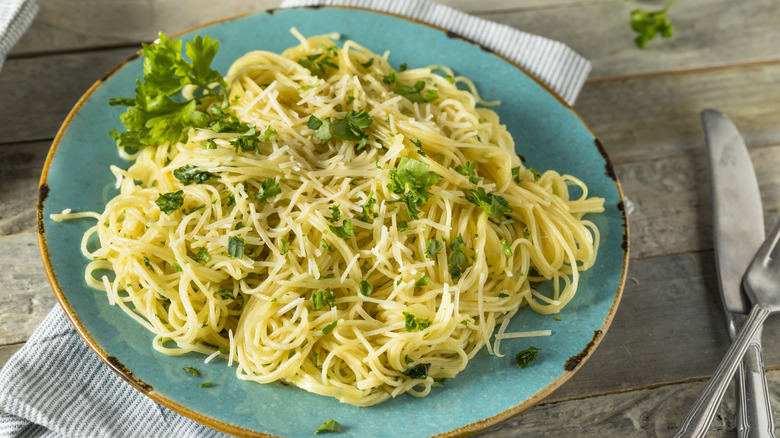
(55, 386)
(553, 62)
(15, 17)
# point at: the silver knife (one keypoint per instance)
(738, 226)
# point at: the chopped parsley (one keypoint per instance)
(494, 205)
(248, 142)
(329, 328)
(345, 230)
(170, 202)
(410, 179)
(206, 384)
(268, 189)
(326, 245)
(190, 174)
(414, 93)
(470, 170)
(235, 247)
(317, 62)
(321, 128)
(507, 248)
(414, 324)
(525, 357)
(368, 206)
(403, 226)
(536, 173)
(228, 295)
(192, 371)
(323, 298)
(177, 267)
(423, 281)
(329, 425)
(335, 215)
(433, 247)
(457, 262)
(284, 246)
(419, 371)
(365, 287)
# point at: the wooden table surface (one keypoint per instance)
(644, 105)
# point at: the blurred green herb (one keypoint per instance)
(648, 24)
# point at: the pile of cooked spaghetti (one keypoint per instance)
(352, 229)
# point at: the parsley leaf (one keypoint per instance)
(353, 127)
(268, 189)
(368, 214)
(414, 93)
(494, 205)
(648, 24)
(203, 255)
(507, 248)
(419, 371)
(248, 142)
(414, 324)
(365, 287)
(170, 202)
(321, 128)
(228, 295)
(329, 425)
(345, 230)
(470, 170)
(335, 215)
(525, 357)
(284, 246)
(326, 245)
(423, 281)
(192, 371)
(235, 247)
(457, 260)
(329, 328)
(317, 62)
(189, 174)
(433, 247)
(410, 179)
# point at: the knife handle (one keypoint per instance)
(756, 411)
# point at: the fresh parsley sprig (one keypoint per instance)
(491, 203)
(410, 179)
(648, 24)
(154, 116)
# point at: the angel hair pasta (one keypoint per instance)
(322, 219)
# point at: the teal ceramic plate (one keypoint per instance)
(548, 133)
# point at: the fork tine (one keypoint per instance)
(769, 248)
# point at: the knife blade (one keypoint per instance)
(738, 228)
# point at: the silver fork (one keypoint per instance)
(762, 284)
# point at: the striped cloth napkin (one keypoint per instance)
(56, 387)
(15, 17)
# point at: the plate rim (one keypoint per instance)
(127, 375)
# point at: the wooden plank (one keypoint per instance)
(647, 413)
(708, 33)
(27, 296)
(80, 24)
(651, 117)
(20, 171)
(38, 93)
(672, 200)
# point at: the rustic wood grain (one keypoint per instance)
(79, 24)
(650, 413)
(652, 117)
(27, 297)
(20, 171)
(708, 33)
(39, 92)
